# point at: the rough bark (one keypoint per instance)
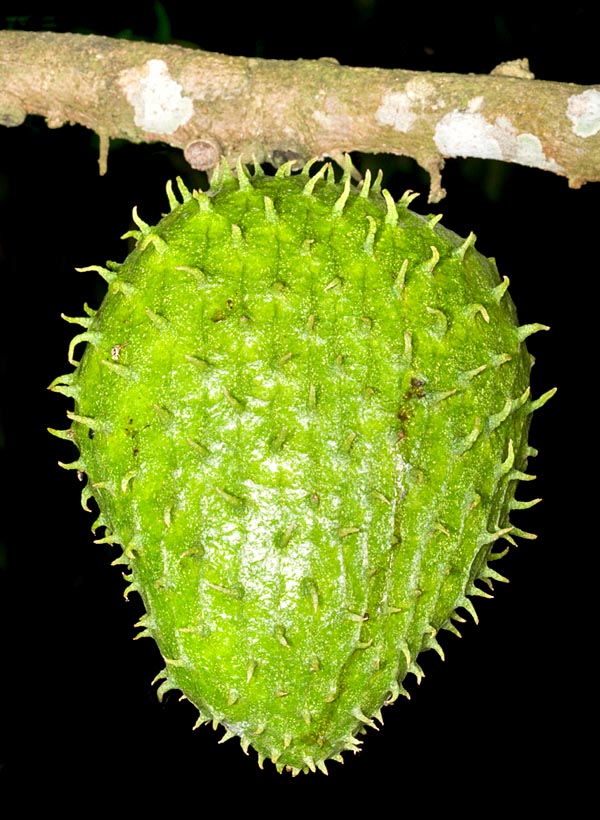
(273, 110)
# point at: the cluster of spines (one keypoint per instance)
(145, 236)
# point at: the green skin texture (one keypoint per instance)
(307, 446)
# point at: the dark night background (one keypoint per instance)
(504, 716)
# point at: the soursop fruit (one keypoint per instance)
(303, 411)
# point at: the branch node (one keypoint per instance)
(12, 113)
(104, 143)
(519, 69)
(433, 164)
(202, 154)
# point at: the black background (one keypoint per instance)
(503, 718)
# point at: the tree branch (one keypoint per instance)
(272, 110)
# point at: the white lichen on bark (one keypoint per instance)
(471, 134)
(157, 100)
(584, 112)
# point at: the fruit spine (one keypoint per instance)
(303, 411)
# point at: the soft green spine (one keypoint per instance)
(303, 415)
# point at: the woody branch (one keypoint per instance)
(213, 105)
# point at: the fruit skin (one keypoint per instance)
(303, 411)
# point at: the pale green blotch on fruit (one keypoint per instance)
(302, 410)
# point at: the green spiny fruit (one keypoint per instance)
(302, 410)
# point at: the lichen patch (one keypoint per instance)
(470, 134)
(396, 110)
(584, 112)
(529, 151)
(157, 99)
(401, 108)
(326, 121)
(331, 115)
